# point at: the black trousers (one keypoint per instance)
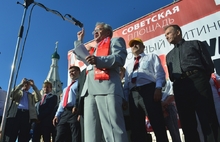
(18, 126)
(193, 96)
(141, 104)
(68, 122)
(39, 130)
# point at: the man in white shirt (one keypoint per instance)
(66, 115)
(143, 88)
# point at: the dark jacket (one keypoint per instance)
(45, 111)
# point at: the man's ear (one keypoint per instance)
(108, 33)
(178, 32)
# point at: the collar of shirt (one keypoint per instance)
(48, 93)
(179, 43)
(73, 81)
(25, 91)
(142, 54)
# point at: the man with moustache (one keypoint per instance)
(66, 115)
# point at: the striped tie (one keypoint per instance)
(136, 65)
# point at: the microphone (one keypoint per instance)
(28, 2)
(76, 22)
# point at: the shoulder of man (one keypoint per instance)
(114, 39)
(151, 55)
(52, 95)
(193, 42)
(170, 53)
(77, 43)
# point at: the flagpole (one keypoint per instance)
(26, 4)
(2, 128)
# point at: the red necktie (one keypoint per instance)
(65, 100)
(136, 64)
(43, 99)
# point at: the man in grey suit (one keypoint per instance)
(103, 115)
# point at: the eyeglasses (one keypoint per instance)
(97, 30)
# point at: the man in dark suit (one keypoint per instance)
(45, 112)
(190, 67)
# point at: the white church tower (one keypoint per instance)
(53, 75)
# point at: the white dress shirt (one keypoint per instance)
(71, 98)
(149, 70)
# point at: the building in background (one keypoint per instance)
(53, 75)
(2, 102)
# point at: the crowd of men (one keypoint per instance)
(108, 103)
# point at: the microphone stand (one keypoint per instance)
(26, 4)
(2, 128)
(71, 20)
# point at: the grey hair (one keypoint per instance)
(106, 27)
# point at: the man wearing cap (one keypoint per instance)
(144, 80)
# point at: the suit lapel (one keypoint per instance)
(47, 96)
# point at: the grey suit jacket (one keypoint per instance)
(112, 62)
